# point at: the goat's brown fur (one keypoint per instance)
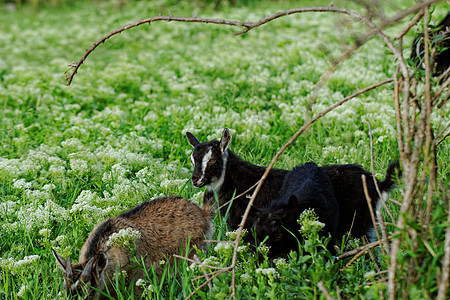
(166, 224)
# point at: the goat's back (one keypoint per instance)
(349, 190)
(166, 224)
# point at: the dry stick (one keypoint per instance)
(408, 27)
(395, 202)
(209, 280)
(441, 140)
(440, 91)
(266, 173)
(377, 274)
(238, 196)
(383, 231)
(203, 276)
(429, 157)
(378, 281)
(324, 291)
(445, 278)
(372, 215)
(76, 66)
(357, 250)
(366, 249)
(398, 118)
(372, 169)
(197, 262)
(204, 273)
(216, 241)
(374, 261)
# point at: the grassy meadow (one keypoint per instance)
(71, 156)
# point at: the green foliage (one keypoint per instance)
(73, 156)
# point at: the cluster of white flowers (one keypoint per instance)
(173, 183)
(263, 249)
(45, 232)
(281, 263)
(269, 272)
(18, 266)
(231, 235)
(125, 238)
(224, 249)
(145, 286)
(22, 291)
(246, 278)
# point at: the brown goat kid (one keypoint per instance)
(166, 225)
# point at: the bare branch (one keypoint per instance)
(324, 291)
(369, 204)
(372, 169)
(445, 275)
(75, 66)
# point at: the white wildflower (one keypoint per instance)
(45, 232)
(125, 238)
(263, 249)
(280, 263)
(79, 167)
(22, 184)
(268, 272)
(246, 278)
(224, 248)
(232, 235)
(49, 187)
(141, 283)
(22, 291)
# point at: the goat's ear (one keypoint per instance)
(192, 139)
(225, 140)
(60, 261)
(101, 263)
(292, 206)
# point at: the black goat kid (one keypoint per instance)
(304, 188)
(223, 172)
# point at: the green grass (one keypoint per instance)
(115, 137)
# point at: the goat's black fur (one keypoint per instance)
(440, 47)
(354, 213)
(227, 175)
(305, 187)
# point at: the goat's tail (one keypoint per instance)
(393, 172)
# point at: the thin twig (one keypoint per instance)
(408, 27)
(324, 291)
(359, 249)
(445, 273)
(196, 262)
(75, 66)
(206, 282)
(204, 273)
(372, 169)
(441, 140)
(383, 231)
(238, 196)
(369, 204)
(372, 257)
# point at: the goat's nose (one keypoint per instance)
(195, 177)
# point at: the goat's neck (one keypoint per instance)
(237, 175)
(216, 185)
